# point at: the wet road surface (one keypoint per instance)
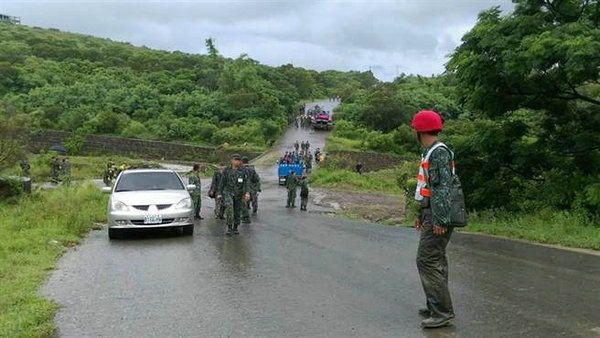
(295, 274)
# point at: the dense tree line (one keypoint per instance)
(81, 83)
(521, 100)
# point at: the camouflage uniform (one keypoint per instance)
(108, 174)
(214, 187)
(303, 194)
(55, 169)
(233, 187)
(254, 188)
(196, 193)
(291, 182)
(25, 167)
(431, 255)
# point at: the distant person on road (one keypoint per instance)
(214, 187)
(254, 184)
(433, 194)
(235, 191)
(296, 145)
(291, 183)
(303, 193)
(196, 193)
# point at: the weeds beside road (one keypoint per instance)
(545, 226)
(34, 232)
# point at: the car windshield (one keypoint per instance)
(149, 181)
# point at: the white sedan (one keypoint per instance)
(149, 198)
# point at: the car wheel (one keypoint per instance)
(114, 233)
(187, 230)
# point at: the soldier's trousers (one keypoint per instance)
(219, 208)
(433, 267)
(245, 212)
(197, 204)
(303, 202)
(254, 201)
(291, 200)
(233, 209)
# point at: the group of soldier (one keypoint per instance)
(60, 168)
(292, 182)
(112, 171)
(234, 187)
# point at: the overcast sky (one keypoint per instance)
(388, 37)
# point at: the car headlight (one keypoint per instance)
(185, 203)
(119, 206)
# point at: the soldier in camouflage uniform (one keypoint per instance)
(291, 183)
(214, 187)
(25, 167)
(235, 191)
(196, 193)
(55, 169)
(433, 194)
(303, 193)
(254, 186)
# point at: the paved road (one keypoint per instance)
(293, 274)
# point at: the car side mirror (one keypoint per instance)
(106, 190)
(191, 187)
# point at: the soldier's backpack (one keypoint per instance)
(458, 209)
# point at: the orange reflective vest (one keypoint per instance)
(423, 189)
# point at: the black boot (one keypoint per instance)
(235, 230)
(229, 232)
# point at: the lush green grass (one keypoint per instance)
(34, 233)
(546, 226)
(82, 167)
(383, 181)
(341, 143)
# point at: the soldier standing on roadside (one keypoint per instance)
(55, 169)
(296, 145)
(65, 167)
(433, 193)
(25, 167)
(303, 193)
(214, 187)
(291, 183)
(196, 193)
(235, 191)
(108, 174)
(254, 186)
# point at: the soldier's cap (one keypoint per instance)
(236, 157)
(245, 159)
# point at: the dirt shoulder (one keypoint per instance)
(378, 208)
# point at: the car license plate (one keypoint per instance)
(152, 219)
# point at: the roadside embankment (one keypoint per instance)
(35, 230)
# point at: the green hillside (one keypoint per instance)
(81, 83)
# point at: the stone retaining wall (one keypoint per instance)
(157, 150)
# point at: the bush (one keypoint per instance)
(75, 143)
(248, 132)
(206, 131)
(10, 187)
(135, 129)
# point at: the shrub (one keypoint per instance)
(75, 143)
(135, 129)
(10, 187)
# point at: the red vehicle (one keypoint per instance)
(323, 121)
